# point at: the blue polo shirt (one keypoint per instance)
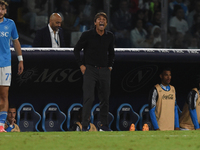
(8, 31)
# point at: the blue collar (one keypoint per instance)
(166, 88)
(4, 19)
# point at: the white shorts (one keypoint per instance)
(5, 76)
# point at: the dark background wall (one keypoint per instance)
(54, 76)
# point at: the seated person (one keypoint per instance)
(178, 24)
(122, 24)
(35, 9)
(138, 35)
(190, 116)
(70, 21)
(181, 4)
(78, 126)
(10, 125)
(156, 32)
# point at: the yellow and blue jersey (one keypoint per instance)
(11, 128)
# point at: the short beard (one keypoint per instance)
(2, 17)
(55, 29)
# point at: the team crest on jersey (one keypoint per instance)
(6, 27)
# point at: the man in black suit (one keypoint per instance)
(51, 35)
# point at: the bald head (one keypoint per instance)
(55, 21)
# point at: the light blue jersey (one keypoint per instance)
(8, 31)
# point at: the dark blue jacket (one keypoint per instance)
(43, 38)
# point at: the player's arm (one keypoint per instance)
(78, 47)
(10, 127)
(192, 98)
(153, 97)
(176, 121)
(18, 50)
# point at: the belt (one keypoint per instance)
(97, 67)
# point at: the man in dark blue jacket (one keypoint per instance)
(51, 35)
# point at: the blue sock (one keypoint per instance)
(3, 116)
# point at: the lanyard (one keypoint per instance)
(56, 39)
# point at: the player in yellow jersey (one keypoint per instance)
(163, 109)
(10, 125)
(190, 116)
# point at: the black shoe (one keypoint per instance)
(104, 128)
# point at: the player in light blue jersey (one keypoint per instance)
(8, 32)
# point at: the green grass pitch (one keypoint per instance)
(116, 140)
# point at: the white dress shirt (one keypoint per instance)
(54, 38)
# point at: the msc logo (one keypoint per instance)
(57, 76)
(139, 77)
(4, 34)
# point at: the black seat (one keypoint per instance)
(72, 115)
(95, 117)
(27, 118)
(125, 117)
(52, 118)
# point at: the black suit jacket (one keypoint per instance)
(43, 38)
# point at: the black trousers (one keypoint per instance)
(96, 77)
